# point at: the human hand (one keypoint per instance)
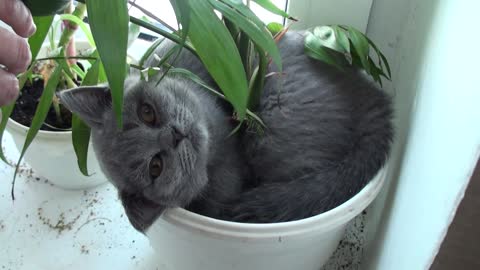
(15, 55)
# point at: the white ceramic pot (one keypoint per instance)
(184, 240)
(51, 155)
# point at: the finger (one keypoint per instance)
(17, 15)
(8, 87)
(14, 52)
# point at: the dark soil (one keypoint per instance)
(26, 105)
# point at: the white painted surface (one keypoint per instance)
(320, 12)
(435, 73)
(99, 236)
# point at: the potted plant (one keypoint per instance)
(227, 50)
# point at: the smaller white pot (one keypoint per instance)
(184, 240)
(51, 155)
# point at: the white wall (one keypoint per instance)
(432, 46)
(319, 12)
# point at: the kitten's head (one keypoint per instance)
(161, 153)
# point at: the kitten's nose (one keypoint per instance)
(178, 136)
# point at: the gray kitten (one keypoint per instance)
(329, 132)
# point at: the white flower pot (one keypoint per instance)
(51, 155)
(184, 240)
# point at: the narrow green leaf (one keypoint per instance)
(83, 26)
(275, 28)
(40, 116)
(150, 51)
(326, 36)
(315, 49)
(268, 5)
(218, 52)
(43, 25)
(360, 44)
(111, 35)
(342, 38)
(193, 77)
(80, 73)
(263, 39)
(80, 140)
(36, 41)
(257, 81)
(243, 9)
(80, 130)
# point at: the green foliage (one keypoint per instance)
(40, 115)
(111, 36)
(343, 46)
(236, 49)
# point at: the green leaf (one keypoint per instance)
(80, 141)
(36, 41)
(80, 73)
(193, 77)
(150, 51)
(218, 52)
(243, 9)
(40, 115)
(275, 28)
(315, 49)
(326, 36)
(43, 25)
(342, 38)
(263, 39)
(382, 59)
(111, 36)
(257, 81)
(80, 130)
(360, 44)
(268, 5)
(83, 26)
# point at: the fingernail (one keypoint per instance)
(32, 30)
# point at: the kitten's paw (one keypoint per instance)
(140, 212)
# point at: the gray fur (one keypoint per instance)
(329, 132)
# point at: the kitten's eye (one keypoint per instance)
(155, 167)
(147, 114)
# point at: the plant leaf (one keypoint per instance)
(150, 51)
(80, 131)
(218, 52)
(40, 116)
(111, 36)
(275, 28)
(360, 44)
(263, 39)
(43, 25)
(315, 49)
(268, 5)
(83, 26)
(342, 38)
(193, 77)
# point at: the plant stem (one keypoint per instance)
(70, 29)
(151, 15)
(162, 32)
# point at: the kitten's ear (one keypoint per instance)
(89, 103)
(141, 212)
